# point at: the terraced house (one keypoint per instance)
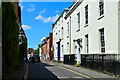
(87, 33)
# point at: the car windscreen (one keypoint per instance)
(35, 55)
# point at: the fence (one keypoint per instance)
(104, 62)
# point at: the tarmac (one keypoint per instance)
(86, 71)
(21, 72)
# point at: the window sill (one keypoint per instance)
(101, 17)
(78, 30)
(67, 36)
(86, 25)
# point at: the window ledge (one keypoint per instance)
(86, 25)
(101, 17)
(67, 36)
(78, 30)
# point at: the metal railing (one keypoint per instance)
(109, 63)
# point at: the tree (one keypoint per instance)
(36, 51)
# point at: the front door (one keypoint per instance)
(78, 51)
(58, 51)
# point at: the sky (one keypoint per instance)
(38, 17)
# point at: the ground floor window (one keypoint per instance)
(102, 40)
(86, 44)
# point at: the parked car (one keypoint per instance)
(35, 58)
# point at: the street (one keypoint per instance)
(60, 40)
(49, 71)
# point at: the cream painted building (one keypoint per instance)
(60, 37)
(0, 43)
(89, 27)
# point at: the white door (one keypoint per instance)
(78, 50)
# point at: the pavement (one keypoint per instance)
(18, 74)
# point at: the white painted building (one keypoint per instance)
(40, 52)
(90, 27)
(0, 43)
(60, 37)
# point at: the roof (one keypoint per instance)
(73, 7)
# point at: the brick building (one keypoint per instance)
(47, 48)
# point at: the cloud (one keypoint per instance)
(31, 5)
(32, 8)
(43, 11)
(57, 11)
(26, 27)
(48, 19)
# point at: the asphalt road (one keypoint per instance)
(46, 71)
(49, 71)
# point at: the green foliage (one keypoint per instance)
(36, 51)
(39, 45)
(54, 61)
(10, 34)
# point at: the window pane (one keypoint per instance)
(101, 7)
(102, 40)
(86, 14)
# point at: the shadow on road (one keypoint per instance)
(38, 71)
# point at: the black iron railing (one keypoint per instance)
(104, 62)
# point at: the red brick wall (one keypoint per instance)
(51, 40)
(16, 4)
(46, 48)
(49, 43)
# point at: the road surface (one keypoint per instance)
(49, 71)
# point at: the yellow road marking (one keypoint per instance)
(77, 73)
(26, 71)
(72, 71)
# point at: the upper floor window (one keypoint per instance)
(78, 15)
(59, 34)
(68, 26)
(86, 14)
(62, 32)
(68, 47)
(101, 7)
(56, 35)
(62, 49)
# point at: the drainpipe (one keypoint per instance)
(70, 34)
(0, 54)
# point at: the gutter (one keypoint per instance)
(73, 8)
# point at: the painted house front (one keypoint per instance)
(91, 33)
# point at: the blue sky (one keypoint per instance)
(38, 17)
